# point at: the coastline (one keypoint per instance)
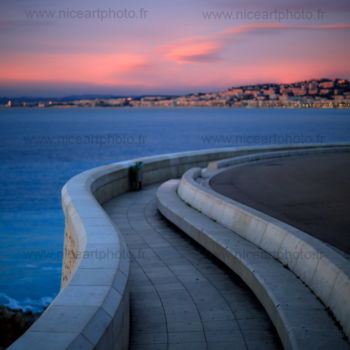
(277, 106)
(321, 93)
(94, 150)
(13, 323)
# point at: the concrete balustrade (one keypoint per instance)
(91, 311)
(323, 270)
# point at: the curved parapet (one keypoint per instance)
(321, 268)
(299, 318)
(92, 308)
(280, 152)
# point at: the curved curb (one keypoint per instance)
(300, 319)
(326, 272)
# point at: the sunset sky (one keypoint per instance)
(169, 47)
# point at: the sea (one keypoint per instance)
(41, 148)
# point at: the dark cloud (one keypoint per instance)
(201, 58)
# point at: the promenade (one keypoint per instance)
(193, 269)
(309, 192)
(181, 296)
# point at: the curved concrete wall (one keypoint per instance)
(303, 150)
(326, 272)
(299, 318)
(91, 310)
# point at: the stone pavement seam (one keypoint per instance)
(226, 306)
(227, 303)
(131, 225)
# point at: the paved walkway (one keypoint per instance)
(311, 193)
(181, 296)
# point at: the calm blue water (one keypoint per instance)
(40, 149)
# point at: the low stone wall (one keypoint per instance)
(280, 153)
(91, 310)
(326, 272)
(301, 320)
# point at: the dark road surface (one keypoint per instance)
(311, 193)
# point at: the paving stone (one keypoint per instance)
(187, 337)
(181, 296)
(149, 346)
(224, 336)
(185, 326)
(149, 338)
(187, 346)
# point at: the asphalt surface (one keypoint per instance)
(311, 193)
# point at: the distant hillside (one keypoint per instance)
(329, 93)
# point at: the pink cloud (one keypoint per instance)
(102, 69)
(190, 50)
(186, 63)
(210, 47)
